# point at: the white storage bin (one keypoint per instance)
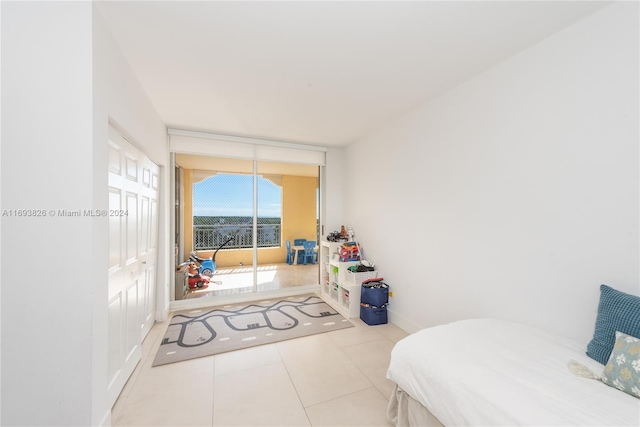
(358, 278)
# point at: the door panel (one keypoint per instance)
(115, 229)
(132, 333)
(144, 225)
(133, 226)
(115, 347)
(148, 252)
(153, 238)
(131, 235)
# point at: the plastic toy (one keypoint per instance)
(207, 265)
(195, 279)
(335, 236)
(349, 252)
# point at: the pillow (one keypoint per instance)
(623, 368)
(617, 311)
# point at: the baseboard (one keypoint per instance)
(402, 322)
(163, 314)
(106, 420)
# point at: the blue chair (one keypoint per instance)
(299, 242)
(290, 253)
(309, 252)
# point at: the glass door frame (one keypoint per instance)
(244, 148)
(258, 169)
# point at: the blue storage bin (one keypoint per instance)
(373, 315)
(374, 296)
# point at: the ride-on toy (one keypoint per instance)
(195, 279)
(207, 265)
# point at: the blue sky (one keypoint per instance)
(232, 195)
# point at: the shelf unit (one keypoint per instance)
(341, 293)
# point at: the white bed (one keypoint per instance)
(489, 372)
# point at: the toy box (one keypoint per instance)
(374, 293)
(373, 315)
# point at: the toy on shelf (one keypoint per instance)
(350, 234)
(335, 236)
(349, 252)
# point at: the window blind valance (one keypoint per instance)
(202, 143)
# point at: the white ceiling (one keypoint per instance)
(321, 73)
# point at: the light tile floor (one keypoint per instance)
(239, 280)
(331, 379)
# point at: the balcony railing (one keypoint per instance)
(206, 237)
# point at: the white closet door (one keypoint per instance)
(133, 237)
(148, 253)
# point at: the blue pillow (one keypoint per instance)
(617, 311)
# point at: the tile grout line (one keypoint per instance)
(213, 393)
(247, 368)
(384, 338)
(346, 357)
(306, 414)
(133, 378)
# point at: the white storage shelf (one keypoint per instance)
(339, 290)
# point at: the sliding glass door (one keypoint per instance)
(216, 224)
(287, 209)
(240, 214)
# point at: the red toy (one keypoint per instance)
(196, 280)
(349, 252)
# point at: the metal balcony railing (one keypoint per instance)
(206, 237)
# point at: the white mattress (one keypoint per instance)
(490, 372)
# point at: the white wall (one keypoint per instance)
(119, 99)
(516, 194)
(46, 164)
(63, 80)
(333, 188)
